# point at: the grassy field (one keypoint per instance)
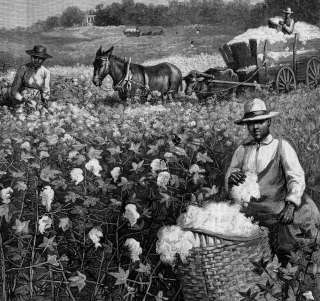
(78, 45)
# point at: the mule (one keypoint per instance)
(129, 79)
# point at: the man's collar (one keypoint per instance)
(265, 141)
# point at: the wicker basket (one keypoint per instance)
(221, 266)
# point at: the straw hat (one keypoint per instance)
(255, 110)
(288, 11)
(39, 51)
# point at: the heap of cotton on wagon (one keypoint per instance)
(279, 47)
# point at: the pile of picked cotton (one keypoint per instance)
(308, 37)
(219, 218)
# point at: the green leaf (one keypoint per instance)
(121, 276)
(47, 174)
(94, 153)
(90, 201)
(137, 166)
(135, 148)
(114, 150)
(145, 269)
(78, 281)
(203, 157)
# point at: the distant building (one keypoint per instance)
(89, 18)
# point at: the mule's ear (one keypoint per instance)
(99, 51)
(109, 51)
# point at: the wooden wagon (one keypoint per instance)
(278, 65)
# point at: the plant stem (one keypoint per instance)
(66, 280)
(3, 270)
(150, 281)
(99, 273)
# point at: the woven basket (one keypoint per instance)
(221, 266)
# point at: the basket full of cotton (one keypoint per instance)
(212, 247)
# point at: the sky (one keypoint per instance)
(26, 12)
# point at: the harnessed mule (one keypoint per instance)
(129, 79)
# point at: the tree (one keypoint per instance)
(52, 22)
(72, 16)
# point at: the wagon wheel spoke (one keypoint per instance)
(287, 73)
(313, 73)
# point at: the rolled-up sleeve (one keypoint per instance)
(235, 164)
(46, 85)
(294, 174)
(17, 84)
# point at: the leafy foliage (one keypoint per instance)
(131, 147)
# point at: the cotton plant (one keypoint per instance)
(95, 235)
(47, 196)
(6, 195)
(65, 223)
(131, 214)
(94, 166)
(45, 222)
(76, 175)
(134, 249)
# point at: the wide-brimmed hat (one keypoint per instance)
(255, 110)
(39, 51)
(288, 11)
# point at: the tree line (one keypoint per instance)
(238, 12)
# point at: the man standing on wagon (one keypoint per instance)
(287, 25)
(283, 207)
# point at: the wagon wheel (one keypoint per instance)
(313, 73)
(285, 80)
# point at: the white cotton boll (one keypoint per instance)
(65, 223)
(26, 146)
(196, 169)
(76, 175)
(131, 214)
(6, 195)
(172, 240)
(242, 193)
(163, 179)
(134, 248)
(44, 223)
(47, 196)
(157, 165)
(94, 166)
(95, 235)
(115, 173)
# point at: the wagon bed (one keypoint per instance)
(267, 65)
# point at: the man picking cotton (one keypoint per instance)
(283, 207)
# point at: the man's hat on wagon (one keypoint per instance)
(255, 110)
(288, 11)
(39, 51)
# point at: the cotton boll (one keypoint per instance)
(94, 166)
(76, 175)
(131, 214)
(134, 248)
(243, 192)
(47, 196)
(172, 240)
